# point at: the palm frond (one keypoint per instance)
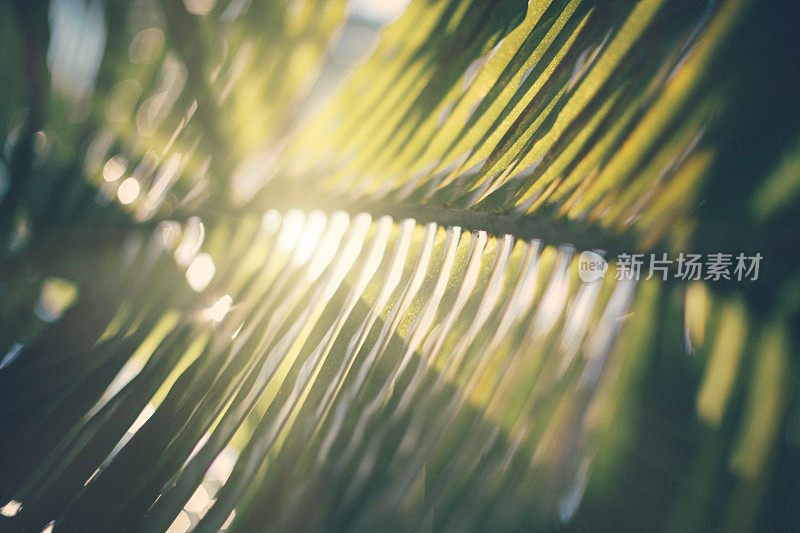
(222, 310)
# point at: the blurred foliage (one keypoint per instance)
(226, 305)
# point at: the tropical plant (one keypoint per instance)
(230, 302)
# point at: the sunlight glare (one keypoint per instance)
(10, 509)
(271, 221)
(292, 225)
(192, 239)
(200, 272)
(199, 7)
(199, 502)
(325, 249)
(115, 168)
(229, 520)
(307, 241)
(128, 191)
(555, 297)
(219, 309)
(181, 524)
(57, 295)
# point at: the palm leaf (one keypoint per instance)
(232, 301)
